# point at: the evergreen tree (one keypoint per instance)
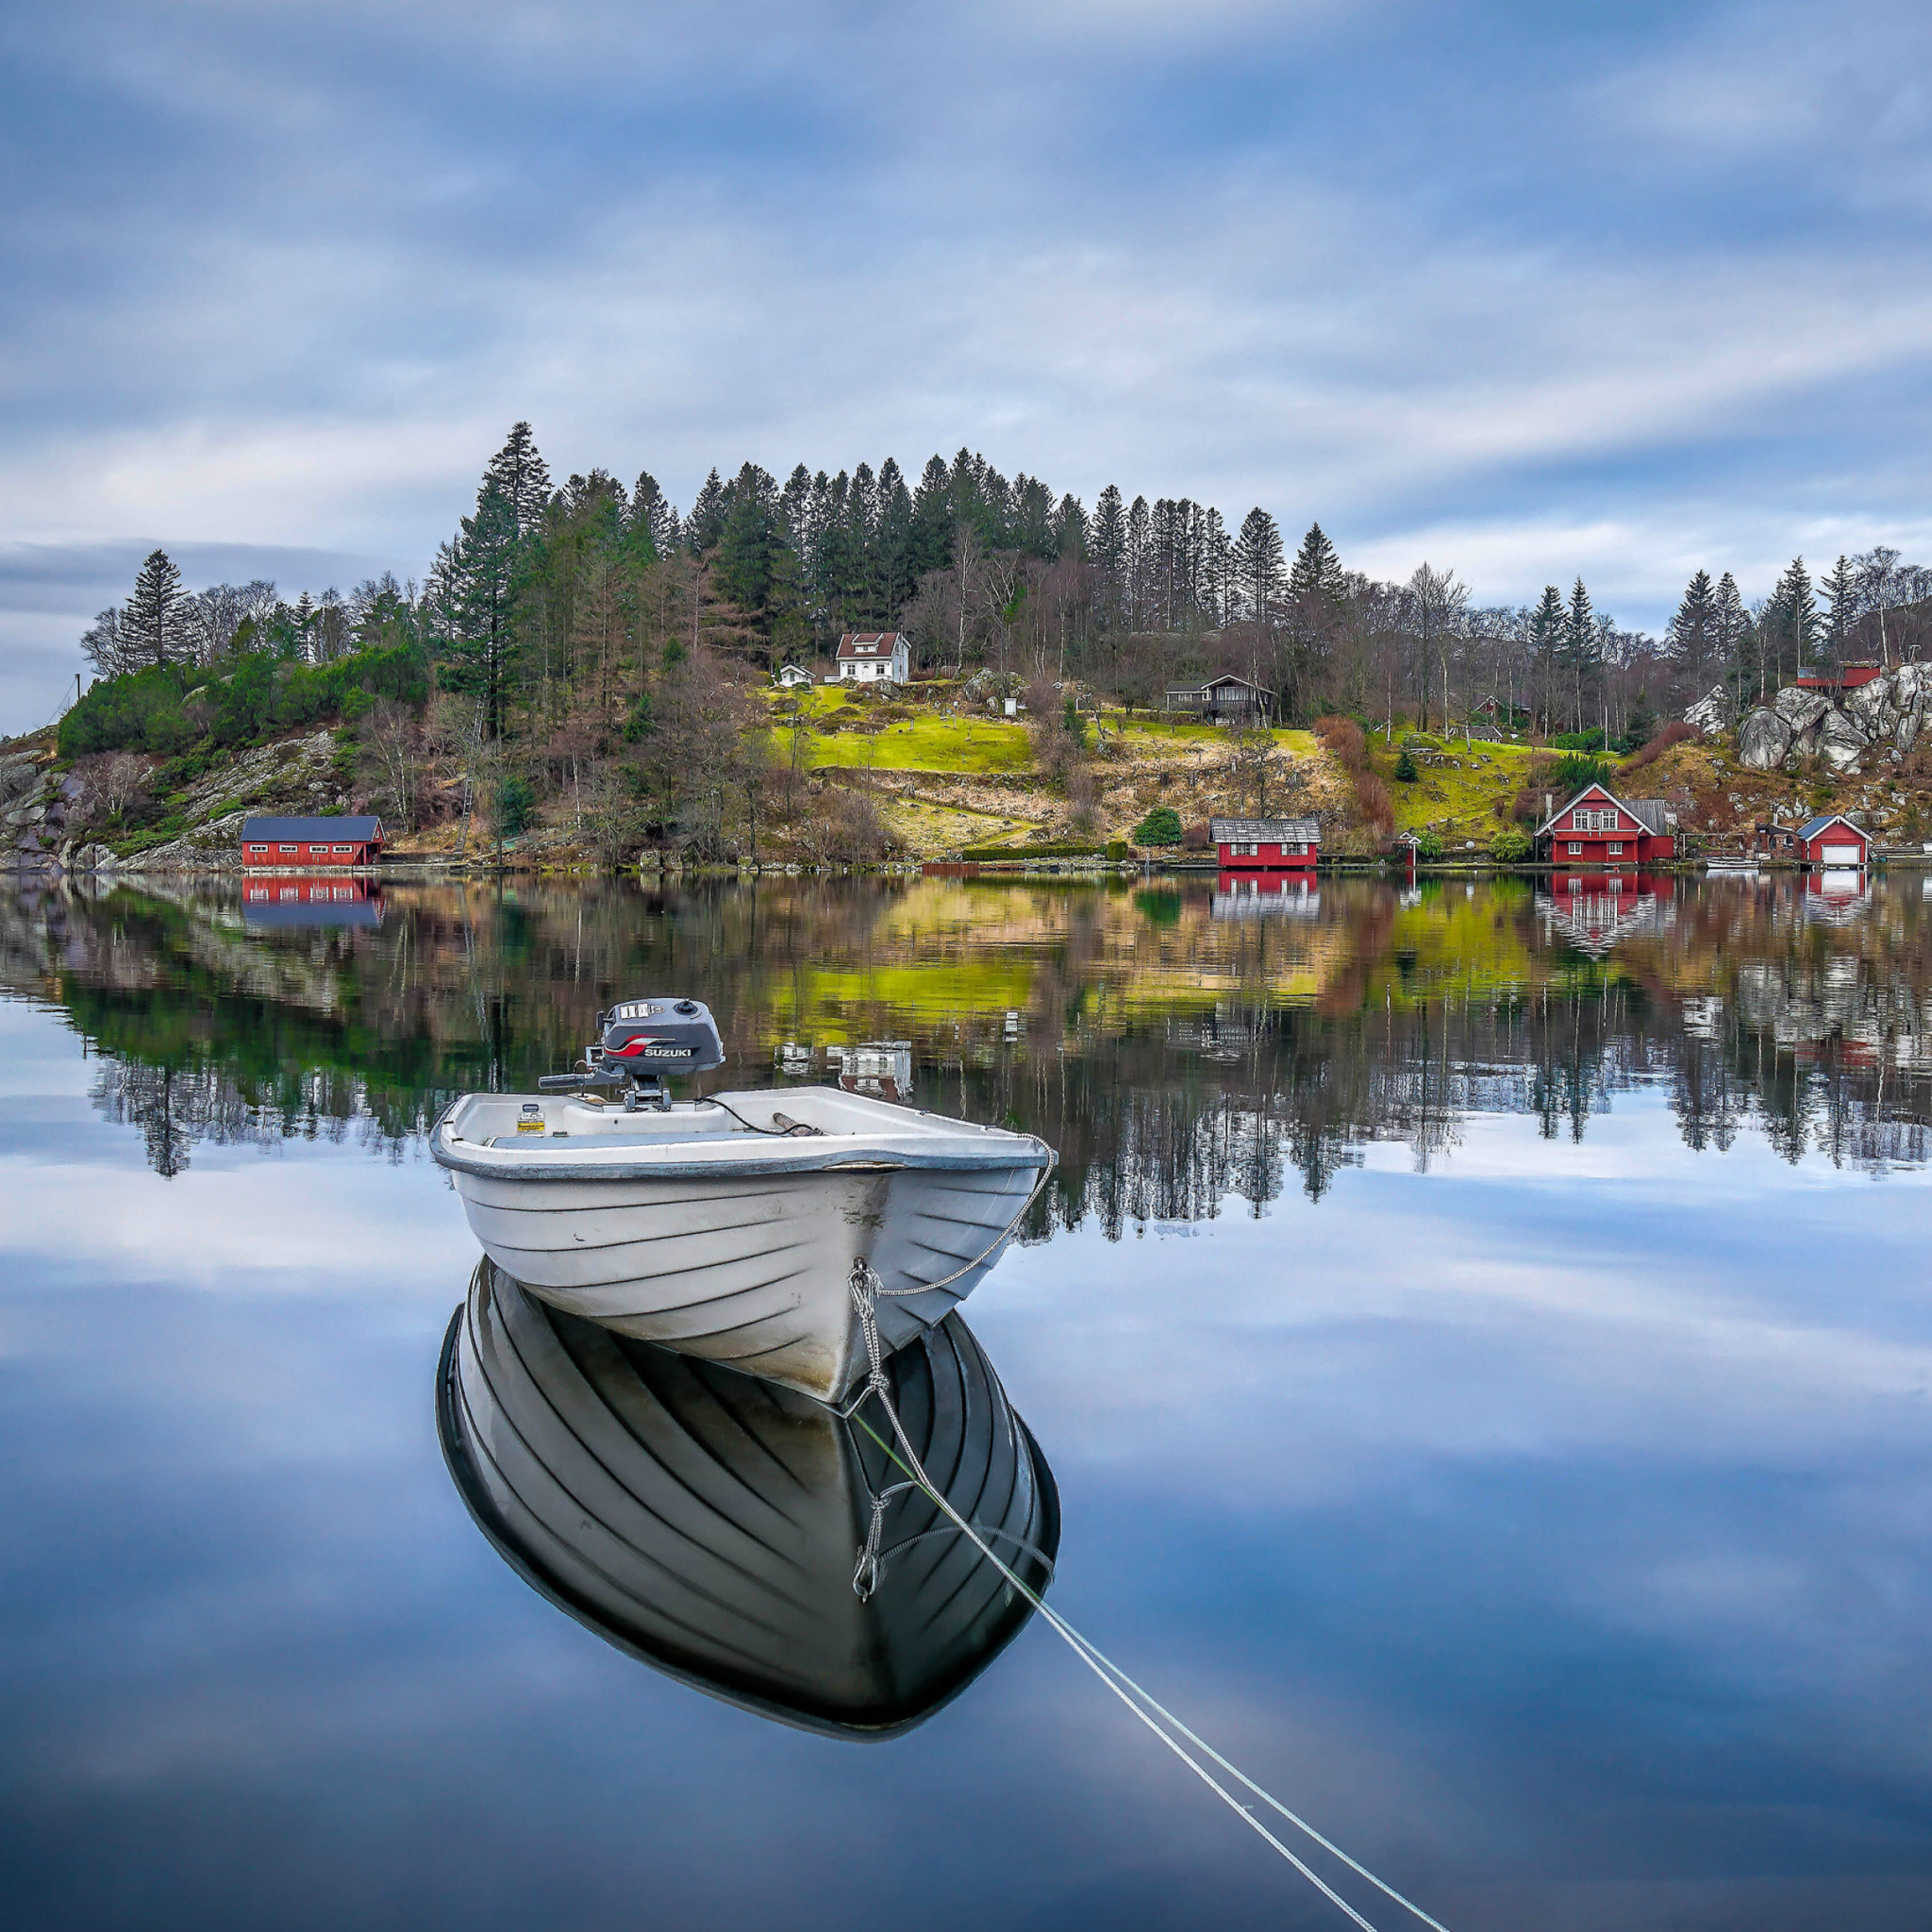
(1257, 558)
(1694, 633)
(653, 517)
(1316, 573)
(522, 478)
(706, 523)
(1841, 589)
(752, 531)
(1579, 647)
(1548, 627)
(1796, 618)
(482, 642)
(152, 629)
(929, 540)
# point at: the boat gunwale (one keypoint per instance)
(852, 1155)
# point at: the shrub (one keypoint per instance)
(1372, 798)
(1161, 826)
(1343, 738)
(1575, 770)
(1591, 739)
(1195, 838)
(1510, 846)
(1679, 733)
(1405, 767)
(1428, 845)
(516, 804)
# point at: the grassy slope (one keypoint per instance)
(1459, 803)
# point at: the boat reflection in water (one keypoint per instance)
(712, 1524)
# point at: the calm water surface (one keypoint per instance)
(1480, 1336)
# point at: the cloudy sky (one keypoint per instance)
(1527, 290)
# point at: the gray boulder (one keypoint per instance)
(1800, 709)
(1712, 713)
(1840, 742)
(18, 777)
(1763, 738)
(95, 859)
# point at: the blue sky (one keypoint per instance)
(1526, 291)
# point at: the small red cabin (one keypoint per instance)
(1266, 844)
(1830, 840)
(1599, 832)
(276, 843)
(1847, 678)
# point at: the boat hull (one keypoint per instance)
(712, 1525)
(753, 1270)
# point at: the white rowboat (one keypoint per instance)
(727, 1227)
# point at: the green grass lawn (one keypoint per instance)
(1457, 802)
(923, 743)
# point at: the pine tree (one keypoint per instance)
(929, 543)
(483, 633)
(151, 628)
(706, 523)
(1257, 558)
(1796, 619)
(1579, 645)
(1841, 589)
(653, 516)
(521, 474)
(1547, 625)
(1316, 573)
(1693, 632)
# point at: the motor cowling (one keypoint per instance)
(658, 1037)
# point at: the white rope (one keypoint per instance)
(865, 1289)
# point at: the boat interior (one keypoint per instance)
(504, 1120)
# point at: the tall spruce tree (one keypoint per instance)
(1841, 588)
(1796, 611)
(1547, 625)
(522, 477)
(484, 633)
(1694, 633)
(1316, 572)
(1258, 558)
(706, 523)
(1579, 649)
(152, 630)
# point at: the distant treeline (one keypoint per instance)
(557, 610)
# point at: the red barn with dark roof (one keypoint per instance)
(288, 841)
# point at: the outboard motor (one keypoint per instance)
(639, 1043)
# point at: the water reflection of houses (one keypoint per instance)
(277, 902)
(1262, 895)
(1593, 912)
(1841, 896)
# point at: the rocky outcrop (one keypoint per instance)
(1713, 713)
(1763, 738)
(1881, 720)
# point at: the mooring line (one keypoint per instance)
(865, 1289)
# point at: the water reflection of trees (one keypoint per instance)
(1178, 1063)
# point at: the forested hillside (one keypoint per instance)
(589, 641)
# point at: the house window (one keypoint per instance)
(1575, 849)
(345, 848)
(1615, 848)
(258, 851)
(1595, 821)
(1240, 850)
(290, 850)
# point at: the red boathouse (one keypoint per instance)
(267, 843)
(1833, 841)
(1599, 832)
(1266, 844)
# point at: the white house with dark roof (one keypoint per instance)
(868, 657)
